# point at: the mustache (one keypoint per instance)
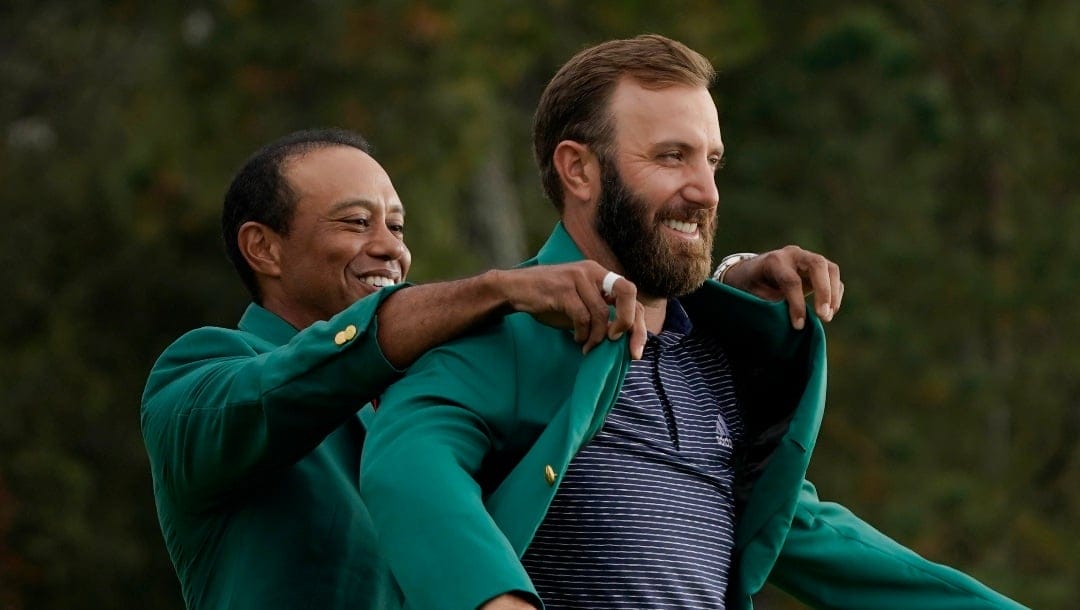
(701, 216)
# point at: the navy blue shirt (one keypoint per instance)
(645, 514)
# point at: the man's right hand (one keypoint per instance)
(571, 296)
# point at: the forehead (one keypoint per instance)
(683, 114)
(329, 176)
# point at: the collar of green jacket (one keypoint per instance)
(265, 324)
(756, 324)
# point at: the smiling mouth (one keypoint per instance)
(378, 281)
(687, 228)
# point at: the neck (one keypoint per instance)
(655, 312)
(584, 235)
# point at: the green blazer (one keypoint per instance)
(254, 445)
(466, 452)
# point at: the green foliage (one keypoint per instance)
(926, 147)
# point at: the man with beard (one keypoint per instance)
(507, 468)
(254, 433)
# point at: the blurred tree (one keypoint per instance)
(924, 127)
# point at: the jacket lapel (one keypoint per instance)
(521, 501)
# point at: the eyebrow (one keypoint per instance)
(347, 204)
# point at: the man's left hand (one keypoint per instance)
(792, 274)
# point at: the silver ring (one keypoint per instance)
(609, 282)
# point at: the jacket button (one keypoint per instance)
(549, 474)
(346, 335)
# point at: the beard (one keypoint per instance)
(658, 264)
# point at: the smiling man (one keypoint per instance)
(509, 470)
(254, 434)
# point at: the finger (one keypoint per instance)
(638, 334)
(624, 297)
(790, 285)
(579, 318)
(837, 286)
(597, 307)
(821, 285)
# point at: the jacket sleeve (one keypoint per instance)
(422, 455)
(219, 414)
(832, 559)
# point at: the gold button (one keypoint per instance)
(549, 474)
(344, 336)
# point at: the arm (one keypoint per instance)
(792, 274)
(223, 409)
(218, 414)
(419, 472)
(831, 559)
(564, 296)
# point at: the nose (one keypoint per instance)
(386, 245)
(701, 185)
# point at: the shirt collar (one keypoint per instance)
(266, 325)
(676, 319)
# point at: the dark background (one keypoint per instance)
(930, 148)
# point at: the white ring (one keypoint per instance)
(609, 282)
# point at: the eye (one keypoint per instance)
(672, 155)
(717, 162)
(357, 221)
(397, 228)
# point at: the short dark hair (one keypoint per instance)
(260, 192)
(574, 105)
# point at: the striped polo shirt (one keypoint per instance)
(645, 514)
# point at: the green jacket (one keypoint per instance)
(466, 453)
(254, 445)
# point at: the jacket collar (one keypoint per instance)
(266, 325)
(560, 248)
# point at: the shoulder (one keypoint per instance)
(516, 338)
(496, 359)
(211, 342)
(200, 348)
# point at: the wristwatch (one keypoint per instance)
(730, 261)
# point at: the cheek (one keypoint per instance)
(660, 191)
(406, 261)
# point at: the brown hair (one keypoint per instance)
(574, 105)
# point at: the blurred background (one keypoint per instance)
(930, 148)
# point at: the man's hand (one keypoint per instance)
(571, 296)
(792, 274)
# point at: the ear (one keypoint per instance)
(261, 247)
(579, 170)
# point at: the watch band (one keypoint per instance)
(730, 261)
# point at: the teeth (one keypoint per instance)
(378, 281)
(682, 227)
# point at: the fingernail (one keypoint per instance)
(799, 322)
(616, 336)
(826, 312)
